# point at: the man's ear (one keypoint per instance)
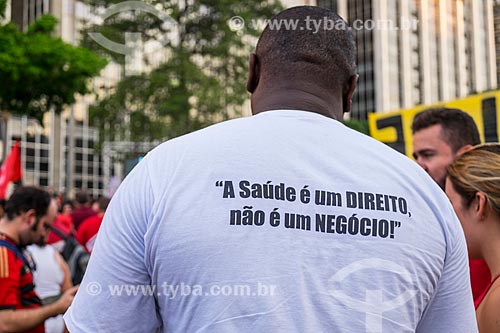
(349, 92)
(29, 217)
(253, 73)
(464, 149)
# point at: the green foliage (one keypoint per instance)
(39, 72)
(3, 5)
(358, 125)
(202, 80)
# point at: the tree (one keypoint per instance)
(39, 72)
(3, 5)
(358, 125)
(202, 78)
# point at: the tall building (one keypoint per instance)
(61, 154)
(419, 51)
(496, 20)
(25, 12)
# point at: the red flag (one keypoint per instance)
(11, 170)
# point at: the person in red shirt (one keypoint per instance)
(87, 232)
(82, 209)
(439, 136)
(29, 213)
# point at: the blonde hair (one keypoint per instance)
(478, 170)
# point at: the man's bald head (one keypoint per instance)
(309, 43)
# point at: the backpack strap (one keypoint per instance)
(16, 251)
(59, 233)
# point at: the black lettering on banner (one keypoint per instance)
(490, 124)
(395, 122)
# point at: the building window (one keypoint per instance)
(30, 165)
(329, 4)
(30, 152)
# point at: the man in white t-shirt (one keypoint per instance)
(283, 221)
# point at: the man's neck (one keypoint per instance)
(7, 228)
(291, 98)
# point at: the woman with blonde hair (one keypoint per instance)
(473, 186)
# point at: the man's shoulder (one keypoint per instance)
(93, 219)
(10, 264)
(88, 228)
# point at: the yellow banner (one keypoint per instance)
(394, 128)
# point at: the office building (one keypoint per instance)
(419, 51)
(61, 154)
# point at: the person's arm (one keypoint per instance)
(451, 308)
(117, 262)
(22, 320)
(66, 284)
(489, 320)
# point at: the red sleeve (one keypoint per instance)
(10, 280)
(81, 234)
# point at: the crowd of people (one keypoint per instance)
(333, 265)
(38, 242)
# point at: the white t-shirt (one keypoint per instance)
(48, 279)
(284, 221)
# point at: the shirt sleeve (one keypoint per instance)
(451, 309)
(9, 280)
(80, 235)
(114, 295)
